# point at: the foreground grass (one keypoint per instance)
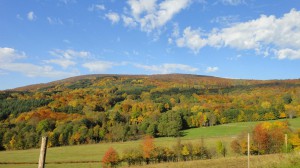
(263, 161)
(94, 152)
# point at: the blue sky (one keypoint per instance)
(47, 40)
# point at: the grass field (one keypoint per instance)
(94, 152)
(264, 161)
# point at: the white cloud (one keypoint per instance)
(31, 16)
(167, 68)
(10, 54)
(8, 62)
(191, 39)
(100, 66)
(138, 7)
(233, 2)
(263, 35)
(98, 7)
(288, 54)
(113, 17)
(211, 69)
(152, 15)
(54, 21)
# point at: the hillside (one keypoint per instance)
(94, 108)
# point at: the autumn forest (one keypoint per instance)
(108, 108)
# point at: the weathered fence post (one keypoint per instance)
(248, 150)
(286, 144)
(43, 151)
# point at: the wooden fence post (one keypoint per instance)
(43, 151)
(248, 150)
(286, 144)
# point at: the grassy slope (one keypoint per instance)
(95, 152)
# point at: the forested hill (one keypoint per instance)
(94, 108)
(187, 79)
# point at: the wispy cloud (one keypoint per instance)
(233, 2)
(32, 70)
(18, 16)
(211, 69)
(96, 7)
(101, 66)
(66, 2)
(69, 54)
(113, 17)
(167, 68)
(65, 63)
(54, 21)
(128, 21)
(226, 20)
(65, 58)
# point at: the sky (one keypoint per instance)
(46, 40)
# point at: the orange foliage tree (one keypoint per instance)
(148, 148)
(110, 158)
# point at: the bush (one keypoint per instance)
(133, 156)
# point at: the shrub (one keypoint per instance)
(133, 156)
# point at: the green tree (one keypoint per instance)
(170, 123)
(45, 126)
